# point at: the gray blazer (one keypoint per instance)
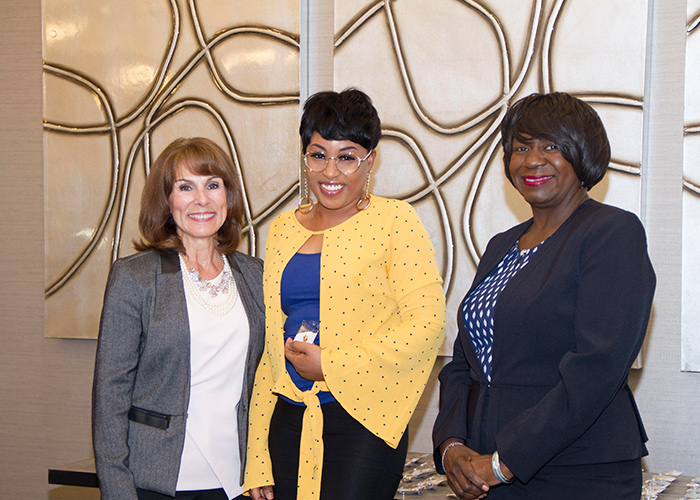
(141, 385)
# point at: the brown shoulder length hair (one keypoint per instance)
(200, 156)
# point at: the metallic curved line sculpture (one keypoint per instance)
(618, 100)
(155, 108)
(357, 23)
(176, 107)
(692, 128)
(408, 83)
(439, 199)
(508, 92)
(508, 89)
(473, 192)
(227, 89)
(550, 26)
(693, 23)
(153, 91)
(206, 46)
(468, 153)
(153, 103)
(693, 188)
(267, 212)
(162, 71)
(109, 113)
(433, 188)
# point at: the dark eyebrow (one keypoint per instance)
(185, 179)
(346, 148)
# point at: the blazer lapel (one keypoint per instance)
(491, 259)
(171, 307)
(255, 311)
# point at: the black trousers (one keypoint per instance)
(218, 494)
(356, 463)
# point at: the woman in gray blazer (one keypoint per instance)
(180, 338)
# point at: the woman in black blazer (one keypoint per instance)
(180, 338)
(535, 403)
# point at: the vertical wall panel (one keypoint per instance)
(663, 393)
(44, 385)
(124, 78)
(691, 194)
(442, 74)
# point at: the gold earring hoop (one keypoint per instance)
(366, 200)
(306, 204)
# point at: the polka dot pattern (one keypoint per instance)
(479, 306)
(382, 319)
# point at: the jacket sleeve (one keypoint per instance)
(251, 269)
(118, 346)
(380, 379)
(613, 299)
(455, 386)
(258, 471)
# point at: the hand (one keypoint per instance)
(483, 468)
(306, 359)
(465, 481)
(262, 493)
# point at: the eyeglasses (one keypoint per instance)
(346, 163)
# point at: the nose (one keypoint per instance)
(331, 169)
(534, 157)
(201, 196)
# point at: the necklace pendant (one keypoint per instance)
(207, 295)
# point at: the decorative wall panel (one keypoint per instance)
(691, 195)
(122, 78)
(441, 73)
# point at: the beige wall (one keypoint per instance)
(45, 383)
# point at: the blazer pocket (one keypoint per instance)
(150, 418)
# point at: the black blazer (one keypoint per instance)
(142, 371)
(567, 329)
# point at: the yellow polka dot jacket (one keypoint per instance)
(382, 320)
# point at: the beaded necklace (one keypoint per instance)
(218, 299)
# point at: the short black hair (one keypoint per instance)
(341, 116)
(568, 122)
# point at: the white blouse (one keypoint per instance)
(219, 345)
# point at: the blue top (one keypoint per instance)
(479, 306)
(300, 290)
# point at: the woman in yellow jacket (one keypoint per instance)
(329, 412)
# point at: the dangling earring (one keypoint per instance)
(306, 204)
(366, 200)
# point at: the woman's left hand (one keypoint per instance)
(482, 466)
(306, 359)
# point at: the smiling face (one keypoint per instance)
(543, 176)
(198, 205)
(337, 192)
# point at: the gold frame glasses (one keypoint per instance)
(346, 163)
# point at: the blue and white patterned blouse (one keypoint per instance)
(479, 306)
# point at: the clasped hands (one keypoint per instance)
(469, 474)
